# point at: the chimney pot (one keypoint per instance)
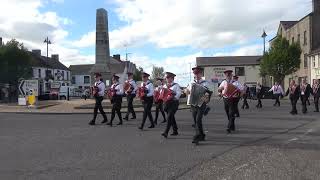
(55, 57)
(36, 52)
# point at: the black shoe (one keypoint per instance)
(164, 121)
(155, 122)
(193, 125)
(134, 117)
(195, 141)
(104, 121)
(109, 124)
(228, 131)
(202, 138)
(140, 127)
(316, 111)
(125, 118)
(174, 134)
(165, 135)
(152, 126)
(92, 123)
(247, 107)
(120, 123)
(237, 115)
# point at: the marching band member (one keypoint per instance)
(198, 112)
(98, 93)
(230, 100)
(246, 93)
(131, 94)
(259, 94)
(159, 103)
(147, 100)
(116, 99)
(316, 94)
(305, 90)
(172, 104)
(294, 93)
(277, 93)
(235, 81)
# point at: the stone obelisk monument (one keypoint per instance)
(102, 64)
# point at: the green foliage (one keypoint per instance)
(137, 74)
(15, 62)
(157, 72)
(282, 59)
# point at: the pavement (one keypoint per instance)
(269, 144)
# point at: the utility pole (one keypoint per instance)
(47, 41)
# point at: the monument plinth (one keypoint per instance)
(102, 61)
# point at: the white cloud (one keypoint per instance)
(202, 23)
(86, 40)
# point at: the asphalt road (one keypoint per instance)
(269, 144)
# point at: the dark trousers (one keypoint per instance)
(197, 113)
(259, 105)
(229, 107)
(304, 103)
(236, 108)
(316, 103)
(159, 108)
(97, 106)
(147, 105)
(116, 108)
(172, 107)
(130, 98)
(293, 101)
(245, 102)
(277, 97)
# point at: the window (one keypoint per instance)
(62, 75)
(298, 40)
(67, 75)
(239, 71)
(86, 79)
(292, 40)
(73, 80)
(39, 73)
(313, 61)
(305, 38)
(305, 61)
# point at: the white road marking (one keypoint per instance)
(242, 166)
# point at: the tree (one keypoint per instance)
(282, 59)
(137, 74)
(15, 62)
(157, 72)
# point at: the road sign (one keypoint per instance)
(28, 87)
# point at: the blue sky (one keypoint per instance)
(163, 33)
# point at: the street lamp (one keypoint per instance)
(47, 41)
(264, 35)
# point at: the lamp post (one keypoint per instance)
(47, 41)
(264, 35)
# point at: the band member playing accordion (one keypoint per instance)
(230, 92)
(200, 108)
(115, 94)
(277, 93)
(98, 91)
(159, 102)
(316, 94)
(294, 94)
(305, 91)
(145, 93)
(171, 103)
(130, 89)
(238, 84)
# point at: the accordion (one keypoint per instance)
(142, 92)
(196, 95)
(166, 94)
(231, 91)
(111, 92)
(127, 88)
(156, 96)
(95, 91)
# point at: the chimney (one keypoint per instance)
(116, 56)
(316, 6)
(55, 57)
(36, 52)
(0, 41)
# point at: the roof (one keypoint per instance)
(313, 52)
(80, 69)
(42, 61)
(228, 61)
(288, 24)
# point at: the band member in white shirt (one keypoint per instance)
(259, 94)
(98, 93)
(172, 104)
(147, 100)
(237, 83)
(277, 93)
(159, 103)
(316, 94)
(131, 94)
(305, 90)
(230, 100)
(116, 99)
(199, 112)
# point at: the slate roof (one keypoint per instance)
(42, 61)
(288, 24)
(228, 61)
(81, 69)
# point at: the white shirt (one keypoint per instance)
(134, 85)
(149, 87)
(101, 86)
(176, 89)
(224, 85)
(277, 89)
(118, 88)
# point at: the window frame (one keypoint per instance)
(237, 72)
(84, 80)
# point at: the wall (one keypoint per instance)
(79, 81)
(315, 71)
